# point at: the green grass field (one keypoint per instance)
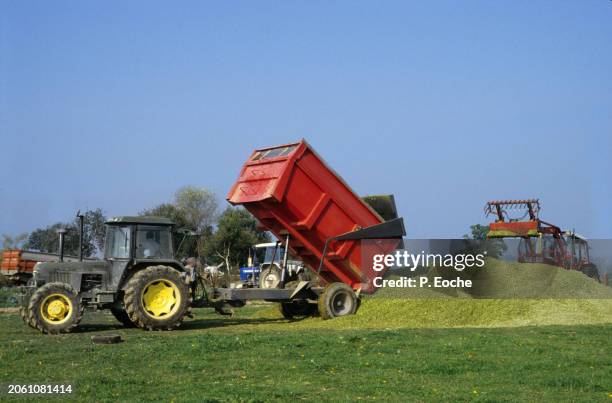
(256, 356)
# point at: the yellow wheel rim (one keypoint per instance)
(56, 309)
(161, 298)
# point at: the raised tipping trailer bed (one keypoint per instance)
(293, 192)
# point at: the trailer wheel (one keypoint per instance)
(157, 298)
(55, 308)
(337, 299)
(297, 309)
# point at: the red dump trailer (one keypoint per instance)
(294, 193)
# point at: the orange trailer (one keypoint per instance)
(18, 265)
(16, 269)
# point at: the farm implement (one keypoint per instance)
(540, 241)
(293, 194)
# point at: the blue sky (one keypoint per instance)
(446, 104)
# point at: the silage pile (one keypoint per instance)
(509, 294)
(502, 279)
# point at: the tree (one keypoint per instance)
(47, 240)
(236, 233)
(478, 231)
(185, 239)
(194, 212)
(198, 206)
(16, 242)
(479, 242)
(169, 211)
(94, 230)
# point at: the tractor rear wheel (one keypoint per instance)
(157, 298)
(55, 308)
(337, 299)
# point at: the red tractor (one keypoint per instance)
(540, 241)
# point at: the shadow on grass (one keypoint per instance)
(196, 324)
(199, 324)
(98, 327)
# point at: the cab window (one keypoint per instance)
(117, 242)
(153, 242)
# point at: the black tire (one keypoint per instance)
(297, 309)
(122, 316)
(337, 299)
(270, 277)
(592, 272)
(55, 308)
(23, 312)
(138, 288)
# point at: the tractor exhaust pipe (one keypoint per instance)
(81, 225)
(61, 232)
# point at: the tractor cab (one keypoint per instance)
(578, 249)
(139, 238)
(546, 248)
(579, 259)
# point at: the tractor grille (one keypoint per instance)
(61, 277)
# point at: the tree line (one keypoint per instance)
(201, 231)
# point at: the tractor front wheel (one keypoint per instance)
(23, 312)
(55, 308)
(157, 298)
